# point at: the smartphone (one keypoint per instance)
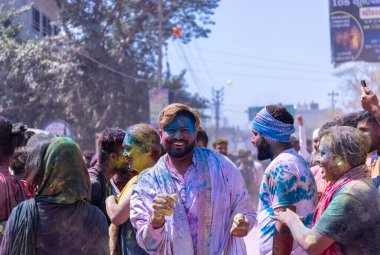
(364, 84)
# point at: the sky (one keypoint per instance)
(261, 52)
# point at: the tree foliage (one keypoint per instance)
(350, 76)
(175, 85)
(98, 72)
(34, 74)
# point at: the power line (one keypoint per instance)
(191, 70)
(195, 77)
(208, 72)
(187, 66)
(270, 77)
(193, 59)
(176, 57)
(102, 65)
(266, 66)
(262, 58)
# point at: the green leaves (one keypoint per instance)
(98, 71)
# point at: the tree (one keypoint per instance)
(176, 86)
(33, 73)
(99, 71)
(351, 75)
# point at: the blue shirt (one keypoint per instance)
(286, 181)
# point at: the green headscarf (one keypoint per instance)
(66, 179)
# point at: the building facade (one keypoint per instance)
(40, 20)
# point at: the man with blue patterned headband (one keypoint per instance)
(287, 181)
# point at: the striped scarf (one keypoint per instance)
(270, 128)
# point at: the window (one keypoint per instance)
(46, 26)
(36, 19)
(56, 30)
(42, 24)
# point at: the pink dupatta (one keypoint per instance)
(11, 194)
(179, 242)
(356, 173)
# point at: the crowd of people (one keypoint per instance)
(150, 190)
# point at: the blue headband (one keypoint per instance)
(271, 128)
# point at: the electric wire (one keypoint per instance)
(191, 70)
(261, 58)
(102, 65)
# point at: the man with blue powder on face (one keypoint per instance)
(194, 200)
(287, 181)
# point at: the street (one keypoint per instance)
(252, 241)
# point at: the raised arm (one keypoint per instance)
(302, 138)
(370, 102)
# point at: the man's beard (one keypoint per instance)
(179, 154)
(264, 151)
(121, 168)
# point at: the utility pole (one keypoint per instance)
(217, 98)
(333, 94)
(160, 35)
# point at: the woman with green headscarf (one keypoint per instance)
(58, 220)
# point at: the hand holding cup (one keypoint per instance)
(162, 206)
(240, 225)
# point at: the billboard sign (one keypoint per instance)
(355, 30)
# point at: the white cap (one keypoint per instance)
(315, 133)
